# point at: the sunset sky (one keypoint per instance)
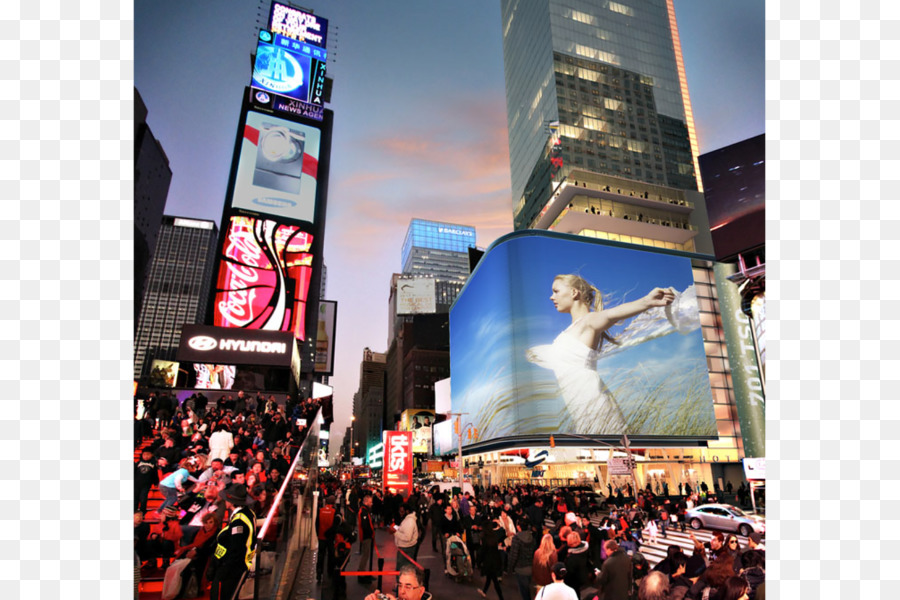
(419, 128)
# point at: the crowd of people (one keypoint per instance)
(508, 532)
(218, 467)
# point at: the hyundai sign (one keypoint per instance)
(219, 345)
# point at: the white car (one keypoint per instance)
(725, 517)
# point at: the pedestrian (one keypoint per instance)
(542, 564)
(616, 574)
(651, 531)
(491, 560)
(410, 586)
(578, 563)
(557, 590)
(366, 538)
(521, 552)
(406, 535)
(235, 546)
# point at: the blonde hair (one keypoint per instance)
(588, 294)
(546, 550)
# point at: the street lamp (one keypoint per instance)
(352, 419)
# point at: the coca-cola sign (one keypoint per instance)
(398, 461)
(264, 276)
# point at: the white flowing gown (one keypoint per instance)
(590, 406)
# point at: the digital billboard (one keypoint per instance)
(264, 275)
(163, 373)
(214, 377)
(298, 24)
(291, 70)
(325, 337)
(445, 441)
(398, 463)
(611, 347)
(278, 164)
(419, 422)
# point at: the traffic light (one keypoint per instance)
(552, 442)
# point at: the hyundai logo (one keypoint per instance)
(202, 343)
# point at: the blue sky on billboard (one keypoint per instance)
(504, 318)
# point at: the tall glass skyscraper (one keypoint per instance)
(601, 137)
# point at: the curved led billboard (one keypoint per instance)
(554, 335)
(264, 275)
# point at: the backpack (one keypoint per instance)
(326, 519)
(341, 545)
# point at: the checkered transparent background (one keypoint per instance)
(66, 178)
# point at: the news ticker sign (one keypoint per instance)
(298, 24)
(219, 345)
(398, 462)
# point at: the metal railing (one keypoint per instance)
(286, 537)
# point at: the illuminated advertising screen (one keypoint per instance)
(555, 335)
(291, 70)
(277, 168)
(163, 373)
(325, 337)
(298, 24)
(398, 462)
(264, 274)
(419, 422)
(214, 377)
(445, 441)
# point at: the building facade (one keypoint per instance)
(602, 145)
(368, 402)
(434, 255)
(177, 288)
(152, 177)
(601, 137)
(437, 249)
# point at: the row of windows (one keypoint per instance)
(632, 239)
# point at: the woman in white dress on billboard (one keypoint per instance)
(573, 355)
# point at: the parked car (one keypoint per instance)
(725, 517)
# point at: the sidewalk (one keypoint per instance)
(441, 586)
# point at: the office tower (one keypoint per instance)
(602, 145)
(601, 138)
(368, 402)
(177, 288)
(437, 249)
(152, 177)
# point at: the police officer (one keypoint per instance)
(235, 545)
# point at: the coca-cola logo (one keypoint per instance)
(237, 308)
(203, 343)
